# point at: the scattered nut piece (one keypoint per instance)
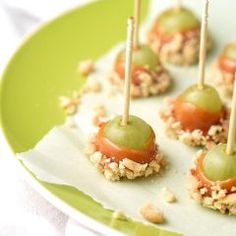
(119, 215)
(92, 86)
(64, 101)
(168, 195)
(86, 67)
(70, 104)
(152, 214)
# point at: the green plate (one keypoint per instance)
(41, 70)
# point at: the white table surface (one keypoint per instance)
(23, 212)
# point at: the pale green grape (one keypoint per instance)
(173, 20)
(218, 166)
(206, 98)
(134, 135)
(143, 56)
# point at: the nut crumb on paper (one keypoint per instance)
(151, 213)
(86, 67)
(119, 215)
(168, 195)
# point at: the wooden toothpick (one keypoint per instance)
(232, 124)
(202, 52)
(137, 9)
(128, 60)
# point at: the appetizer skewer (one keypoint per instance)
(125, 147)
(212, 182)
(175, 36)
(149, 77)
(197, 117)
(224, 69)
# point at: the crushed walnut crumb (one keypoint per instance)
(168, 195)
(151, 84)
(86, 67)
(216, 134)
(92, 86)
(68, 104)
(180, 50)
(119, 215)
(126, 168)
(152, 214)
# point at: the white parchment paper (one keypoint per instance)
(58, 157)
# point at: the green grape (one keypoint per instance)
(173, 20)
(218, 166)
(230, 51)
(143, 56)
(206, 98)
(134, 135)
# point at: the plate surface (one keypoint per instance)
(44, 68)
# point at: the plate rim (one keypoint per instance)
(33, 182)
(26, 174)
